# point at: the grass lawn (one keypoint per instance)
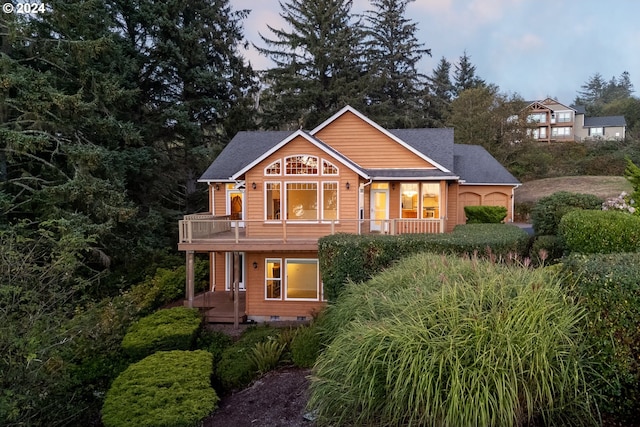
(602, 186)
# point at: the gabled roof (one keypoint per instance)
(605, 121)
(475, 165)
(469, 163)
(244, 148)
(548, 103)
(388, 133)
(436, 143)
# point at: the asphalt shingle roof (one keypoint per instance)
(475, 165)
(605, 121)
(471, 163)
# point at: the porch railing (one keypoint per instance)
(203, 227)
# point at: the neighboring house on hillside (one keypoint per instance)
(606, 127)
(557, 122)
(274, 193)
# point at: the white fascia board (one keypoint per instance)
(290, 138)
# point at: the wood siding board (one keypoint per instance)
(363, 144)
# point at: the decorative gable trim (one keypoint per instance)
(367, 120)
(348, 163)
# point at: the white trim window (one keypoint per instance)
(274, 168)
(273, 201)
(329, 168)
(537, 118)
(302, 279)
(329, 201)
(273, 279)
(301, 201)
(564, 117)
(561, 131)
(596, 131)
(301, 165)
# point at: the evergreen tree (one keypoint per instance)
(395, 94)
(318, 64)
(192, 80)
(465, 75)
(441, 92)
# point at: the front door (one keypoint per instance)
(231, 269)
(235, 207)
(379, 209)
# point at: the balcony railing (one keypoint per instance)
(203, 227)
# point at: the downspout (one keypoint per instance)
(513, 202)
(361, 203)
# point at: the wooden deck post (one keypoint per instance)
(190, 278)
(236, 285)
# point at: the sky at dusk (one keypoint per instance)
(535, 48)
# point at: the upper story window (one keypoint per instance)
(329, 168)
(301, 165)
(564, 117)
(273, 168)
(538, 118)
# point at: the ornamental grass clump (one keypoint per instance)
(442, 341)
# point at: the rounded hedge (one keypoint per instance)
(590, 232)
(166, 389)
(171, 329)
(549, 210)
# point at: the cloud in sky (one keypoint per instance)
(534, 48)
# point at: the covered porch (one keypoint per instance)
(219, 306)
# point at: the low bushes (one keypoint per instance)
(548, 211)
(167, 285)
(171, 389)
(345, 257)
(440, 340)
(305, 346)
(171, 329)
(237, 366)
(485, 214)
(609, 288)
(600, 232)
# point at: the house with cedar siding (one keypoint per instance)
(272, 194)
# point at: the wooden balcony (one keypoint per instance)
(205, 232)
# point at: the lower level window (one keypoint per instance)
(302, 279)
(273, 279)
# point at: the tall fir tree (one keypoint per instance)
(318, 64)
(396, 90)
(192, 80)
(465, 75)
(441, 92)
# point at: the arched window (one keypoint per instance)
(273, 168)
(329, 168)
(301, 165)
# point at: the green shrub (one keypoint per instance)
(346, 257)
(265, 355)
(440, 340)
(171, 389)
(215, 342)
(172, 329)
(167, 285)
(591, 232)
(236, 369)
(522, 211)
(546, 250)
(485, 214)
(547, 213)
(305, 346)
(609, 288)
